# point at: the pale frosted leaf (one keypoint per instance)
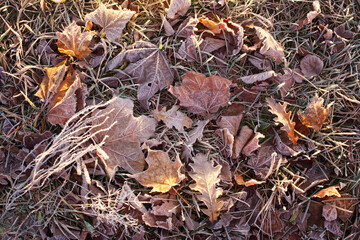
(258, 77)
(315, 115)
(173, 118)
(195, 134)
(252, 145)
(230, 122)
(178, 7)
(311, 65)
(329, 213)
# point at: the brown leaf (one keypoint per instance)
(260, 63)
(112, 21)
(173, 118)
(287, 80)
(74, 43)
(345, 205)
(230, 122)
(283, 117)
(240, 141)
(187, 28)
(206, 178)
(69, 99)
(340, 30)
(328, 192)
(329, 213)
(211, 25)
(202, 95)
(148, 65)
(311, 65)
(315, 115)
(178, 7)
(162, 173)
(309, 17)
(123, 133)
(167, 26)
(258, 77)
(270, 47)
(194, 134)
(227, 139)
(253, 144)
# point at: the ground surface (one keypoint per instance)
(55, 179)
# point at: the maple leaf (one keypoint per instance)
(311, 65)
(123, 136)
(270, 47)
(283, 117)
(112, 21)
(162, 173)
(206, 177)
(74, 43)
(315, 115)
(148, 65)
(178, 7)
(173, 118)
(201, 94)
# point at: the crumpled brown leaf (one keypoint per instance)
(162, 173)
(288, 79)
(112, 21)
(178, 8)
(309, 16)
(283, 117)
(74, 43)
(123, 138)
(206, 178)
(173, 118)
(148, 65)
(315, 115)
(311, 65)
(202, 95)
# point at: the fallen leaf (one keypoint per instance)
(240, 141)
(167, 26)
(253, 182)
(329, 213)
(283, 117)
(227, 140)
(162, 173)
(202, 95)
(314, 176)
(215, 3)
(340, 31)
(206, 178)
(194, 134)
(315, 115)
(328, 192)
(46, 54)
(260, 63)
(74, 43)
(270, 47)
(250, 79)
(112, 21)
(178, 7)
(148, 65)
(253, 144)
(345, 205)
(287, 80)
(187, 28)
(58, 1)
(173, 118)
(311, 65)
(123, 135)
(211, 25)
(333, 227)
(310, 16)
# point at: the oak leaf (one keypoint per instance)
(178, 7)
(148, 65)
(202, 95)
(315, 115)
(173, 118)
(206, 178)
(74, 43)
(270, 47)
(311, 65)
(123, 136)
(162, 173)
(283, 117)
(112, 21)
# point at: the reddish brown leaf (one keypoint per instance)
(340, 30)
(193, 135)
(315, 115)
(253, 144)
(311, 65)
(173, 118)
(309, 16)
(178, 7)
(258, 77)
(202, 95)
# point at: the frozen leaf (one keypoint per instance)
(314, 176)
(227, 140)
(329, 213)
(46, 54)
(194, 134)
(58, 1)
(214, 3)
(74, 43)
(123, 134)
(340, 30)
(309, 17)
(334, 227)
(345, 205)
(162, 173)
(173, 118)
(270, 47)
(258, 77)
(230, 122)
(240, 141)
(167, 26)
(287, 80)
(253, 144)
(187, 28)
(315, 115)
(260, 63)
(148, 65)
(112, 21)
(328, 192)
(69, 99)
(202, 95)
(283, 117)
(178, 7)
(311, 65)
(211, 25)
(206, 178)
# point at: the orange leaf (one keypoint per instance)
(315, 114)
(328, 192)
(283, 117)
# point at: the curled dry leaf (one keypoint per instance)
(173, 118)
(328, 192)
(112, 21)
(178, 7)
(162, 173)
(167, 26)
(270, 47)
(283, 117)
(258, 77)
(315, 115)
(288, 79)
(74, 43)
(311, 65)
(230, 122)
(123, 133)
(148, 65)
(240, 141)
(202, 95)
(227, 139)
(206, 178)
(309, 17)
(253, 144)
